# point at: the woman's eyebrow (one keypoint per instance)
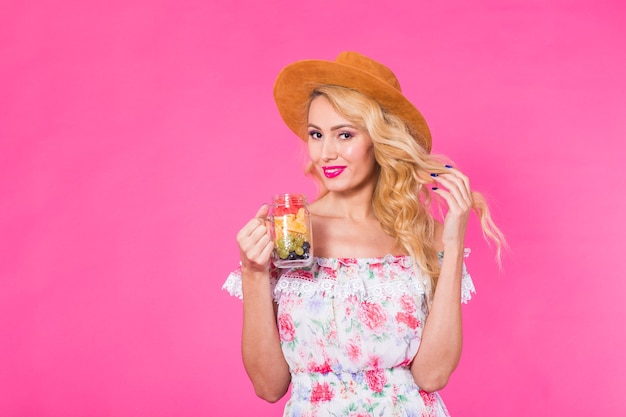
(342, 127)
(334, 127)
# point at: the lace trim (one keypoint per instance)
(343, 290)
(233, 284)
(467, 286)
(301, 281)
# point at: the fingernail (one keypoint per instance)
(434, 188)
(449, 166)
(434, 175)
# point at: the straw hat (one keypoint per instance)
(296, 82)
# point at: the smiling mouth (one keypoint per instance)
(332, 172)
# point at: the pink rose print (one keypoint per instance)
(286, 329)
(329, 273)
(324, 368)
(374, 362)
(372, 315)
(321, 392)
(376, 379)
(354, 351)
(377, 269)
(302, 274)
(408, 304)
(429, 401)
(429, 398)
(408, 319)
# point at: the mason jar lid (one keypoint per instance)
(289, 199)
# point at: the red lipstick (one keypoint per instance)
(332, 172)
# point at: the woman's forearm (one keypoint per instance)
(442, 338)
(262, 355)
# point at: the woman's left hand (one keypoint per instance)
(457, 193)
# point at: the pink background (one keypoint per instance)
(138, 136)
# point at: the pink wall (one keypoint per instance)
(137, 136)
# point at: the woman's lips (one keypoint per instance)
(332, 172)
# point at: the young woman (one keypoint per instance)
(373, 327)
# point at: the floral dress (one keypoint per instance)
(349, 329)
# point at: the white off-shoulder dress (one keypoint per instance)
(349, 328)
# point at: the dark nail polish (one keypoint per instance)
(434, 175)
(449, 166)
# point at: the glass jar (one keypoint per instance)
(290, 229)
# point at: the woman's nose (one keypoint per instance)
(329, 151)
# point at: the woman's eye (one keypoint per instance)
(345, 135)
(315, 135)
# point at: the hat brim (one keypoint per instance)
(296, 82)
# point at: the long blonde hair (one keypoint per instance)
(402, 197)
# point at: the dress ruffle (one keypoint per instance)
(233, 283)
(351, 277)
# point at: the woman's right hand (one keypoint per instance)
(262, 355)
(255, 243)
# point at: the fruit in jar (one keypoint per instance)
(292, 236)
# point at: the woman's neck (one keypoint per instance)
(356, 206)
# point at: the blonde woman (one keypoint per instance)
(373, 327)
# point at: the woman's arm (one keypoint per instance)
(261, 351)
(442, 338)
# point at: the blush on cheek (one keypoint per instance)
(351, 152)
(358, 154)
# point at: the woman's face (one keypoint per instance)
(342, 153)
